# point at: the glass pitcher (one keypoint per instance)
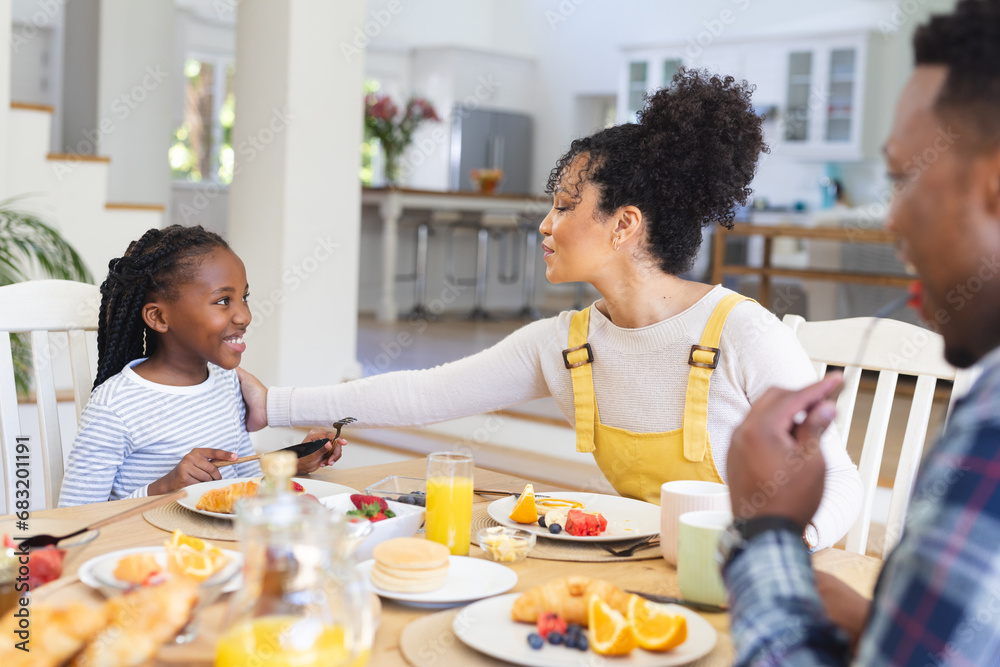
(302, 603)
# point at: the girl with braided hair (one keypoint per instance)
(167, 400)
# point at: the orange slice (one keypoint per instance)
(609, 632)
(190, 563)
(655, 629)
(193, 557)
(178, 538)
(525, 510)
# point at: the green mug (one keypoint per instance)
(698, 571)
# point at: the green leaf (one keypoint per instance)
(30, 249)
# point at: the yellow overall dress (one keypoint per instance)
(637, 464)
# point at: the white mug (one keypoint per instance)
(682, 496)
(698, 571)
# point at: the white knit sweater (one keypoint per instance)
(640, 379)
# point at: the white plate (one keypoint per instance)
(627, 518)
(468, 579)
(98, 572)
(486, 626)
(312, 486)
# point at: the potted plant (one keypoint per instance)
(394, 131)
(29, 248)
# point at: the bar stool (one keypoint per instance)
(419, 275)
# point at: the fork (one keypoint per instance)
(339, 424)
(631, 549)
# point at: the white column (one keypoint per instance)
(135, 97)
(5, 18)
(294, 212)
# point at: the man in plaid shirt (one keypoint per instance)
(937, 601)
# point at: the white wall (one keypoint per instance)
(4, 93)
(135, 97)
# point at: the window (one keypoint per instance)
(202, 147)
(670, 67)
(370, 145)
(636, 87)
(838, 120)
(799, 85)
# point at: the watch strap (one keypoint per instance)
(751, 528)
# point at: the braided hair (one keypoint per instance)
(160, 261)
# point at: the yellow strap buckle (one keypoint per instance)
(701, 364)
(588, 360)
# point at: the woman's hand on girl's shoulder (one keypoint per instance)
(255, 398)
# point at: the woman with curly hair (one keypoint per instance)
(657, 374)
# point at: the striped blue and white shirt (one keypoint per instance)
(133, 432)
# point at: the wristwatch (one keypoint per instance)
(737, 535)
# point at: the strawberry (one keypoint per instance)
(550, 622)
(360, 500)
(298, 488)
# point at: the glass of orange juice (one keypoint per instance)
(449, 500)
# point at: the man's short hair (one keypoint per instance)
(967, 42)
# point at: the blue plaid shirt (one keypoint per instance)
(937, 600)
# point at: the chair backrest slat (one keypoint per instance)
(10, 422)
(909, 458)
(79, 358)
(48, 418)
(871, 457)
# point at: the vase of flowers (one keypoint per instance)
(394, 130)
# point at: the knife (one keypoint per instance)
(302, 449)
(697, 606)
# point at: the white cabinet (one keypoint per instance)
(823, 91)
(822, 113)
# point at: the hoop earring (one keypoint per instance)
(615, 242)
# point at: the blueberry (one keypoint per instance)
(582, 643)
(555, 529)
(535, 641)
(408, 500)
(573, 629)
(541, 521)
(555, 638)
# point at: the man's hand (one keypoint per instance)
(775, 465)
(196, 466)
(255, 398)
(327, 455)
(846, 608)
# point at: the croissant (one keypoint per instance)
(567, 597)
(223, 500)
(139, 623)
(57, 633)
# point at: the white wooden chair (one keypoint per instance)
(893, 348)
(39, 307)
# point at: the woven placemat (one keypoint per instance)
(173, 516)
(430, 641)
(546, 549)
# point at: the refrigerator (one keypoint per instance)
(493, 140)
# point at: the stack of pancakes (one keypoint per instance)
(410, 565)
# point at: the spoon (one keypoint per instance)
(36, 541)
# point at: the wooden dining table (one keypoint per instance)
(653, 575)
